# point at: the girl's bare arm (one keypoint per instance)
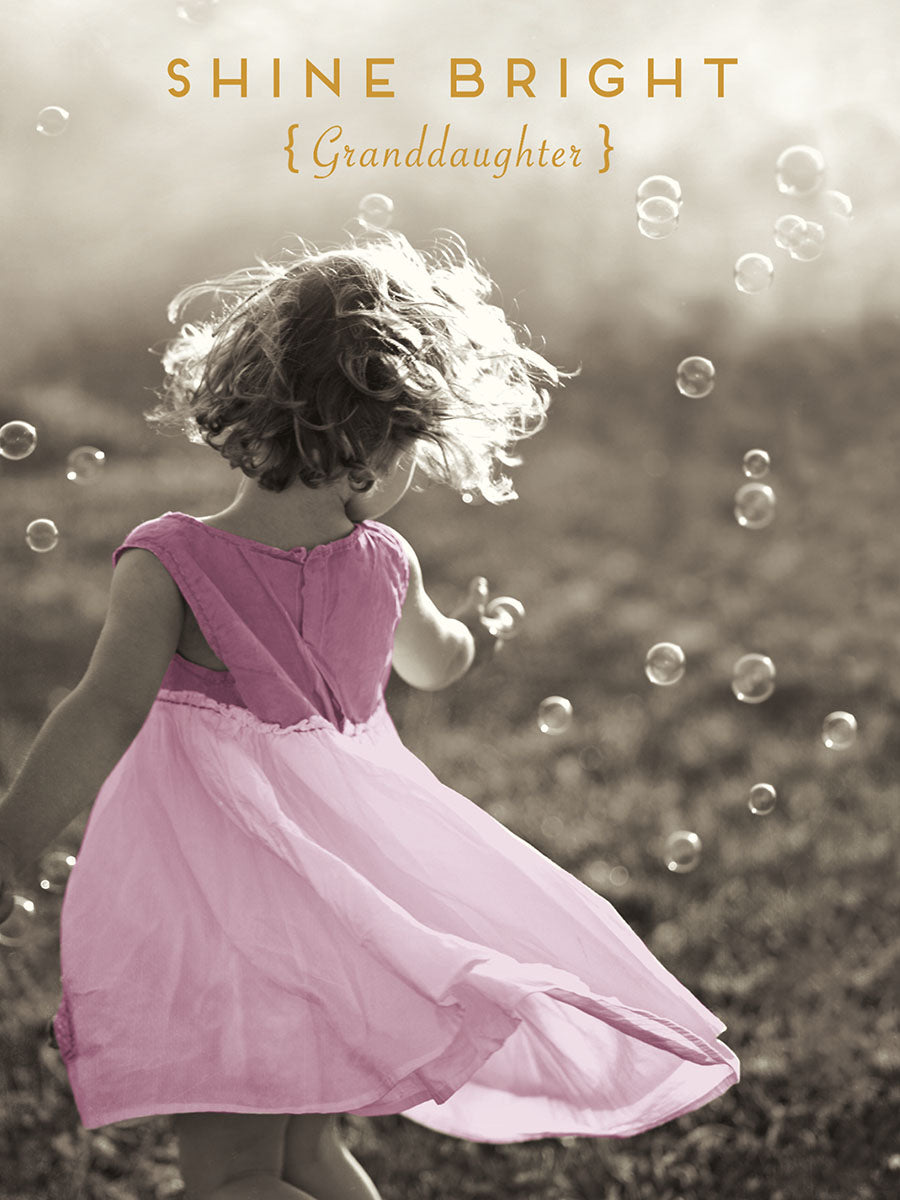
(88, 732)
(432, 650)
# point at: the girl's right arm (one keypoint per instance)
(432, 650)
(89, 731)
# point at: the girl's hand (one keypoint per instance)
(471, 613)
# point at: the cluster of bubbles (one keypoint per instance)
(84, 464)
(754, 502)
(752, 682)
(804, 240)
(800, 172)
(658, 206)
(55, 868)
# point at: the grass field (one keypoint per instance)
(623, 536)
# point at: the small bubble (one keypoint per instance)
(17, 439)
(789, 230)
(596, 873)
(799, 171)
(839, 730)
(42, 535)
(695, 377)
(195, 12)
(554, 714)
(660, 186)
(664, 663)
(657, 210)
(359, 229)
(753, 678)
(619, 876)
(376, 209)
(55, 868)
(756, 464)
(811, 244)
(503, 616)
(84, 464)
(754, 505)
(52, 121)
(838, 204)
(753, 273)
(17, 927)
(474, 499)
(655, 230)
(682, 851)
(762, 799)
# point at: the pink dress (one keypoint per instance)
(277, 908)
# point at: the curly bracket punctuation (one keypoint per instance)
(290, 149)
(329, 153)
(608, 148)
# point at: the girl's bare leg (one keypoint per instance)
(317, 1161)
(234, 1156)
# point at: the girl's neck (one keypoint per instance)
(297, 516)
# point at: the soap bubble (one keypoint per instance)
(753, 273)
(789, 230)
(799, 171)
(660, 186)
(839, 730)
(753, 678)
(756, 464)
(838, 204)
(376, 209)
(18, 925)
(195, 12)
(754, 505)
(811, 244)
(42, 535)
(619, 876)
(554, 714)
(682, 851)
(17, 439)
(52, 121)
(658, 211)
(358, 228)
(655, 230)
(664, 663)
(55, 868)
(762, 799)
(84, 464)
(503, 616)
(473, 498)
(695, 377)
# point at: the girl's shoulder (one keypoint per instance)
(157, 534)
(394, 543)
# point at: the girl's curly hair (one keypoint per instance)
(331, 363)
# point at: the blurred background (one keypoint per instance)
(624, 534)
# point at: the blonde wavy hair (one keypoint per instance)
(332, 363)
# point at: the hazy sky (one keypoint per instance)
(144, 190)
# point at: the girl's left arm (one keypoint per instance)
(88, 732)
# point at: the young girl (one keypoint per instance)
(278, 913)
